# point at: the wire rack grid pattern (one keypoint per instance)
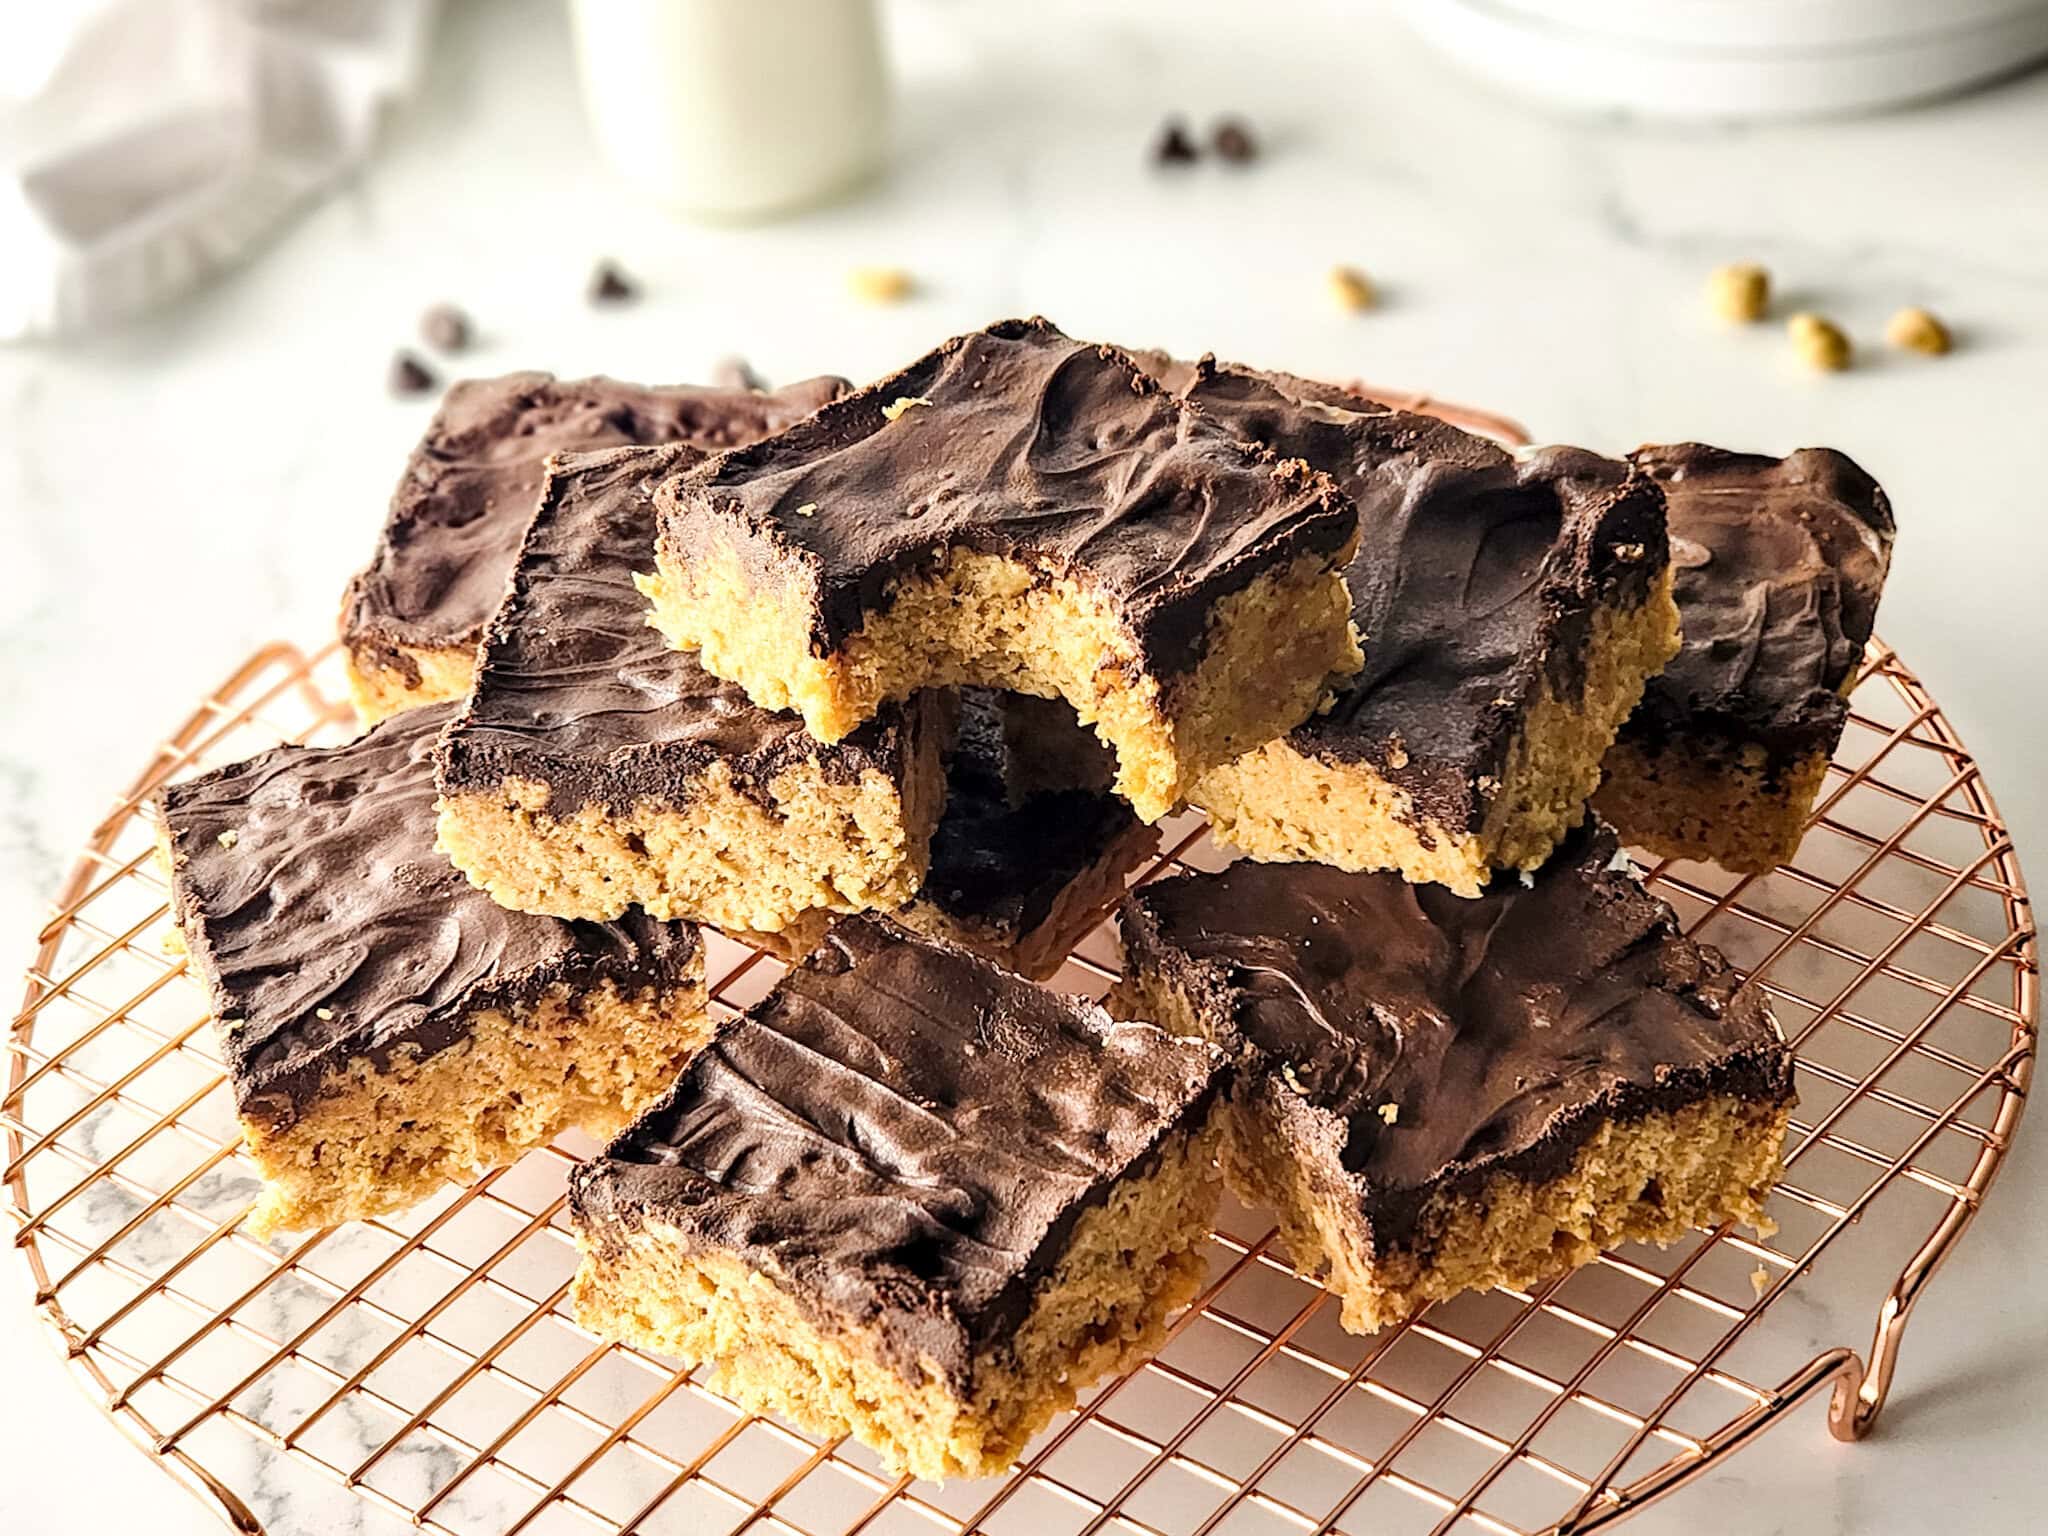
(429, 1362)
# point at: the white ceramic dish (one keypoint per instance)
(1735, 58)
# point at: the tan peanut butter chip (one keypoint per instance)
(1352, 289)
(880, 285)
(1918, 331)
(1819, 342)
(1740, 292)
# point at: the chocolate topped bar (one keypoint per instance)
(1019, 442)
(1002, 860)
(1477, 579)
(456, 519)
(1779, 567)
(325, 926)
(902, 1137)
(1431, 1041)
(576, 692)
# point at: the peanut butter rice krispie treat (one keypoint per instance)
(1780, 564)
(412, 617)
(1022, 864)
(1439, 1094)
(595, 769)
(908, 1197)
(386, 1027)
(1023, 511)
(1510, 610)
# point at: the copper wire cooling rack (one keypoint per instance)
(428, 1362)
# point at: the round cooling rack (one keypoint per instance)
(429, 1362)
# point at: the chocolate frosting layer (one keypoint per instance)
(324, 925)
(1019, 442)
(1176, 374)
(1501, 1030)
(1779, 567)
(1001, 859)
(456, 519)
(1476, 577)
(576, 691)
(902, 1136)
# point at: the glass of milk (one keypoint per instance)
(735, 109)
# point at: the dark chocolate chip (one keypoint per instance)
(1234, 142)
(608, 285)
(1174, 146)
(410, 376)
(445, 328)
(734, 373)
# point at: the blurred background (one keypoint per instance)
(225, 220)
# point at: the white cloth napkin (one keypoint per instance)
(147, 144)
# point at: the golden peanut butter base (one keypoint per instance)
(1270, 655)
(1129, 1264)
(1280, 804)
(381, 1136)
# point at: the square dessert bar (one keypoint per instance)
(1021, 869)
(1024, 860)
(412, 617)
(386, 1027)
(1022, 511)
(1440, 1093)
(908, 1197)
(1780, 566)
(595, 769)
(1510, 611)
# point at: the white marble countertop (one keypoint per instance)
(199, 483)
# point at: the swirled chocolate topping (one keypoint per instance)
(1779, 567)
(1176, 374)
(469, 488)
(902, 1135)
(325, 926)
(1019, 442)
(1476, 577)
(1439, 1039)
(575, 691)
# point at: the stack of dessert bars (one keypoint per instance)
(896, 682)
